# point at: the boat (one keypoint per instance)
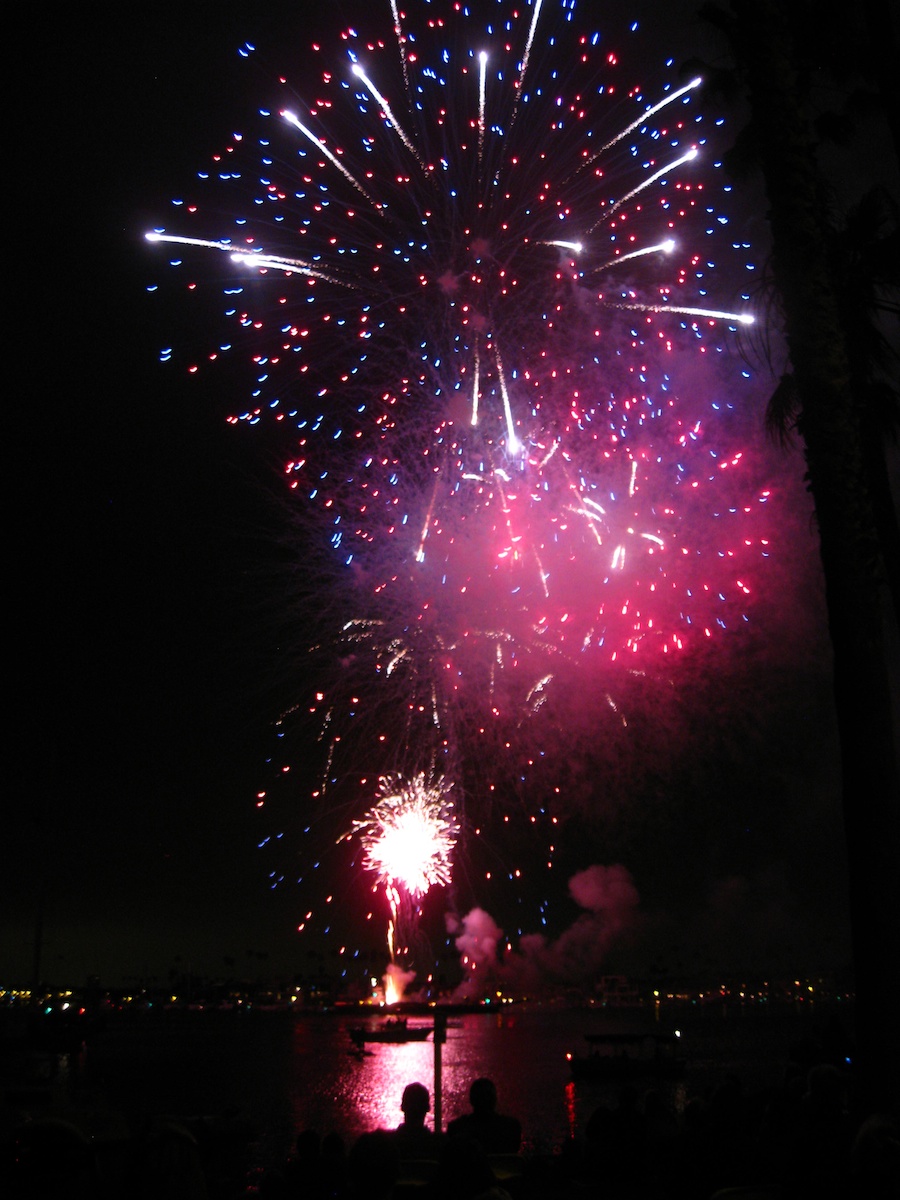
(394, 1030)
(615, 1056)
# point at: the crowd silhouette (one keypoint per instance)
(797, 1141)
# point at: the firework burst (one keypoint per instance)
(408, 838)
(464, 304)
(469, 269)
(409, 835)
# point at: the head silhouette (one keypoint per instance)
(483, 1096)
(415, 1103)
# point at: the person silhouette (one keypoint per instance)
(494, 1132)
(413, 1137)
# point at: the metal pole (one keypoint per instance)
(440, 1036)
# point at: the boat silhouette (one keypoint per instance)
(392, 1029)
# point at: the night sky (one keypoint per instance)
(147, 665)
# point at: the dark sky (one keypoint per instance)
(141, 696)
(137, 740)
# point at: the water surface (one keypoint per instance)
(289, 1072)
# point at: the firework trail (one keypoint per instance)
(408, 838)
(468, 268)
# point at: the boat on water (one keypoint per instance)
(392, 1029)
(614, 1056)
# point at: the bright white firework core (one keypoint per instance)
(410, 834)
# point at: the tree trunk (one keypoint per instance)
(831, 427)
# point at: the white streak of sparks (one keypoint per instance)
(401, 43)
(529, 42)
(575, 247)
(645, 116)
(520, 82)
(651, 179)
(712, 313)
(426, 525)
(388, 112)
(550, 453)
(513, 445)
(250, 258)
(582, 511)
(475, 388)
(665, 247)
(482, 69)
(631, 482)
(294, 120)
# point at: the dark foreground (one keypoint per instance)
(790, 1140)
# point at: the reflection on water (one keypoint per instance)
(290, 1073)
(570, 1109)
(523, 1052)
(333, 1087)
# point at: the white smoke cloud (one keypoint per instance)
(477, 937)
(608, 890)
(610, 900)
